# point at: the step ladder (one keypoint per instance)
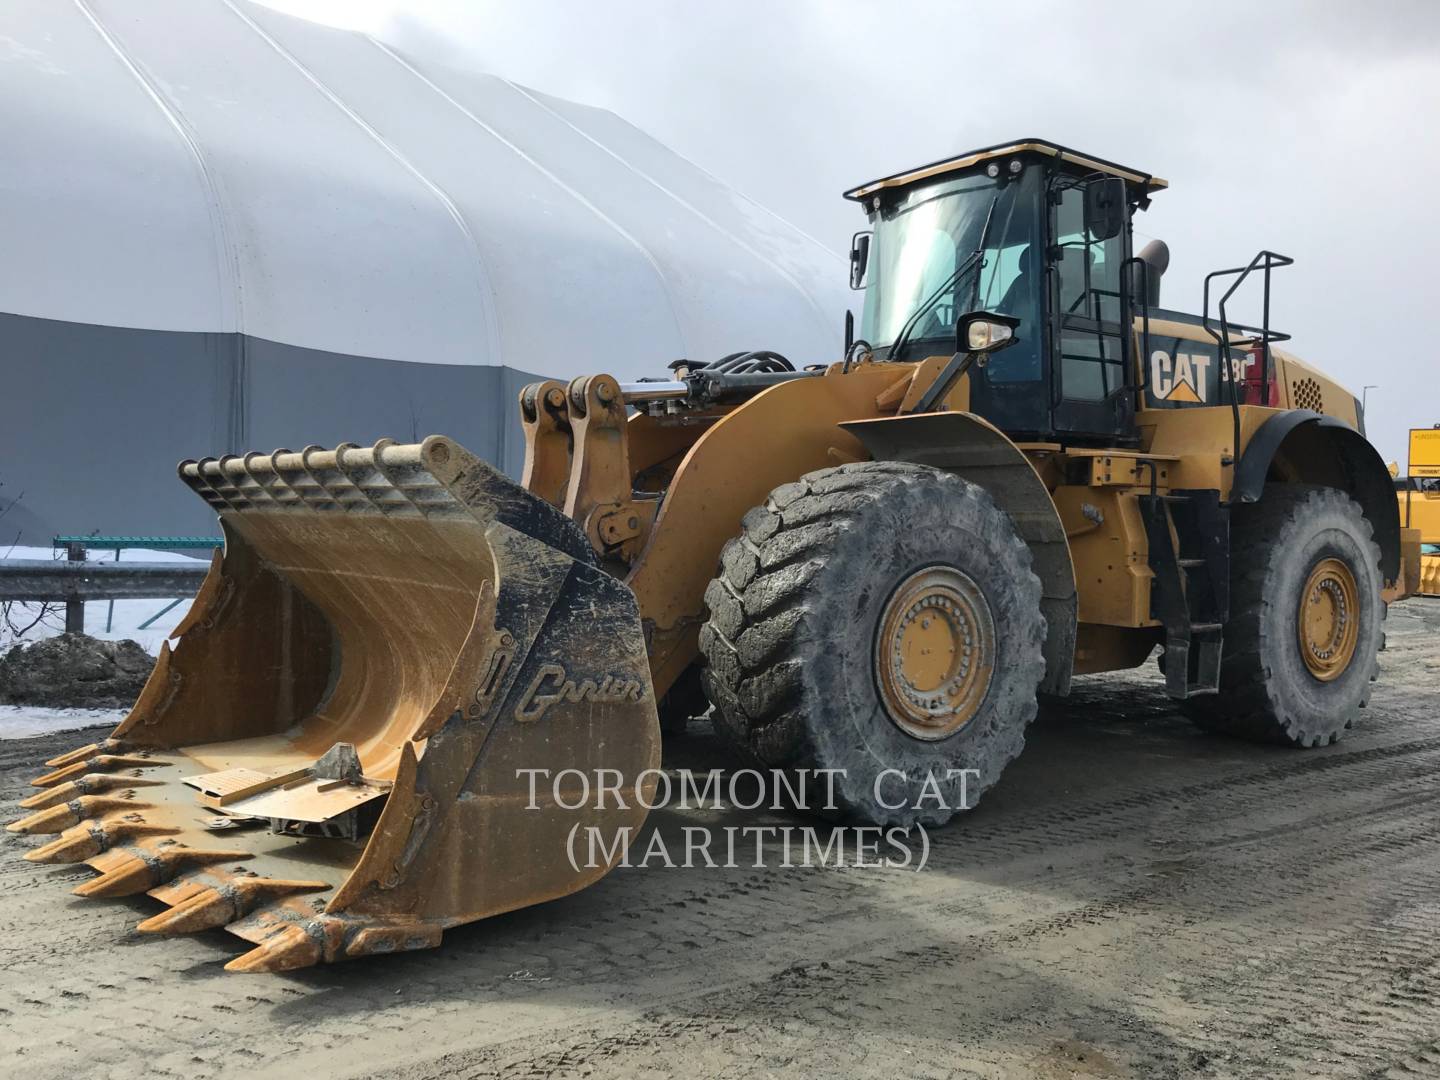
(1189, 537)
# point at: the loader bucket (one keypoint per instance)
(332, 759)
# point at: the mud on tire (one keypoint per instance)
(1267, 693)
(789, 647)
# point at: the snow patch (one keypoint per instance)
(23, 721)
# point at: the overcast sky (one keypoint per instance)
(1304, 127)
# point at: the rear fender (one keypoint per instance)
(1302, 446)
(970, 447)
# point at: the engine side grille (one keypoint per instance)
(1306, 393)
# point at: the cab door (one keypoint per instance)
(1092, 392)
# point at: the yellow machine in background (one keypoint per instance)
(1023, 469)
(1419, 495)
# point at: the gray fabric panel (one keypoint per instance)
(96, 418)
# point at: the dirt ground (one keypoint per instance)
(1136, 899)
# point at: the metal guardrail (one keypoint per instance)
(42, 580)
(74, 580)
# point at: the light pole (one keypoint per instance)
(1364, 391)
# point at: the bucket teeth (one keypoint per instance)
(89, 784)
(90, 838)
(402, 936)
(81, 753)
(141, 871)
(98, 763)
(130, 877)
(56, 819)
(216, 906)
(288, 948)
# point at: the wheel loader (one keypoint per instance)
(1022, 470)
(1419, 495)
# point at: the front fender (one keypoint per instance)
(774, 438)
(975, 449)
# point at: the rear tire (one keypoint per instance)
(876, 616)
(1303, 551)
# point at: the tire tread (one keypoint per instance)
(768, 617)
(1250, 704)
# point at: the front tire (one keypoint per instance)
(1303, 640)
(871, 617)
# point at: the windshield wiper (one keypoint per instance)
(903, 338)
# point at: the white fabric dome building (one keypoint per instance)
(226, 229)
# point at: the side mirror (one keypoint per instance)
(985, 332)
(977, 335)
(859, 258)
(1105, 207)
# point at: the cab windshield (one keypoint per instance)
(925, 236)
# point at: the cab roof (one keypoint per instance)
(1143, 180)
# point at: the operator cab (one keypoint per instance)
(1029, 230)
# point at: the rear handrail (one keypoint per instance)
(1265, 261)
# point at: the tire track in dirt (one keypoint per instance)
(1104, 927)
(1230, 886)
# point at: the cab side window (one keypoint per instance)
(1008, 284)
(1089, 269)
(1087, 273)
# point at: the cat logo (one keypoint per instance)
(1180, 379)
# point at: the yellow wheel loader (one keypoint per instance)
(1420, 511)
(1022, 469)
(1419, 495)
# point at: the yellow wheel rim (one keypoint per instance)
(934, 652)
(1329, 619)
